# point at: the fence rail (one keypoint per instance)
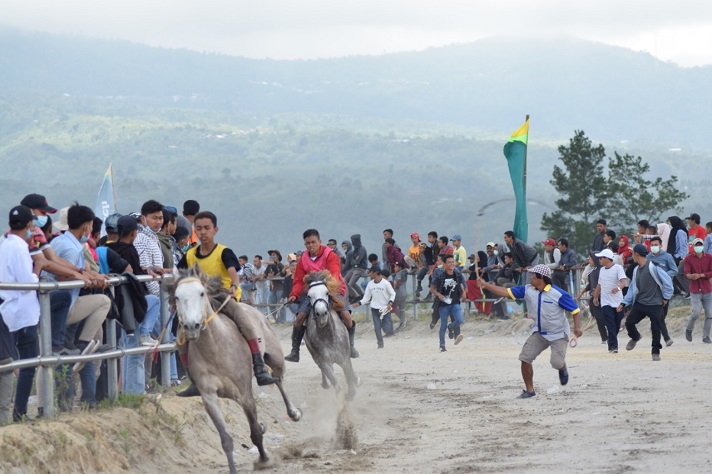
(47, 362)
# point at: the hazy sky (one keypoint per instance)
(678, 31)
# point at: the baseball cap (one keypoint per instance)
(698, 241)
(542, 270)
(641, 250)
(136, 215)
(472, 256)
(37, 201)
(491, 244)
(415, 235)
(605, 253)
(549, 241)
(126, 224)
(456, 237)
(111, 222)
(20, 215)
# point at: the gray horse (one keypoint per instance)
(327, 338)
(220, 360)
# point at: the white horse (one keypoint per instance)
(327, 338)
(220, 359)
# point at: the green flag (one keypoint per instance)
(516, 153)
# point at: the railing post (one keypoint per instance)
(112, 372)
(46, 371)
(165, 356)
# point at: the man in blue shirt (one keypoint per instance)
(547, 305)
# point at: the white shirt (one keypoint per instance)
(20, 309)
(609, 278)
(379, 294)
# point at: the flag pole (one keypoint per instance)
(113, 188)
(525, 163)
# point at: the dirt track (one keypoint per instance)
(618, 413)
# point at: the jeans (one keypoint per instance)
(352, 278)
(386, 324)
(698, 301)
(132, 369)
(153, 313)
(87, 376)
(640, 312)
(60, 301)
(613, 325)
(6, 386)
(262, 295)
(454, 310)
(27, 344)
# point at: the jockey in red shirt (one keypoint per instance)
(318, 257)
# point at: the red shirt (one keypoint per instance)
(695, 264)
(326, 259)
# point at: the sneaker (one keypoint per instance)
(442, 349)
(450, 332)
(380, 346)
(688, 296)
(669, 342)
(688, 335)
(87, 348)
(564, 376)
(526, 394)
(656, 357)
(459, 339)
(613, 351)
(65, 352)
(706, 340)
(631, 345)
(147, 340)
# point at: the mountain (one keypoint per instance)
(613, 93)
(410, 141)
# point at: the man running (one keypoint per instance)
(547, 307)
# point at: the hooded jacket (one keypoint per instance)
(359, 257)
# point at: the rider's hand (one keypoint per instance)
(292, 299)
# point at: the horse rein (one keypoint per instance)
(207, 320)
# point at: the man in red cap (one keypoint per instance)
(552, 254)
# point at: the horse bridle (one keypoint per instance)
(326, 301)
(206, 320)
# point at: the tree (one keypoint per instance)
(633, 197)
(623, 197)
(583, 194)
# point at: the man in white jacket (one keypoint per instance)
(380, 294)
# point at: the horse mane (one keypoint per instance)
(332, 284)
(213, 285)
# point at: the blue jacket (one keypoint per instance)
(665, 261)
(659, 275)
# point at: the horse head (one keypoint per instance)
(190, 298)
(322, 287)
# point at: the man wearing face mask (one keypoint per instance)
(667, 263)
(698, 269)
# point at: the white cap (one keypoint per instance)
(607, 253)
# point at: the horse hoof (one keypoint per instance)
(358, 381)
(263, 428)
(296, 415)
(325, 385)
(261, 464)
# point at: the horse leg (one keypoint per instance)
(327, 370)
(294, 413)
(325, 384)
(212, 406)
(352, 379)
(256, 428)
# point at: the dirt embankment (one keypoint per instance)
(418, 411)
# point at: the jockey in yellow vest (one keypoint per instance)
(217, 260)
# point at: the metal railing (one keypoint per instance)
(47, 362)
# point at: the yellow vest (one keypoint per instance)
(213, 266)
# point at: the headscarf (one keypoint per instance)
(676, 224)
(624, 250)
